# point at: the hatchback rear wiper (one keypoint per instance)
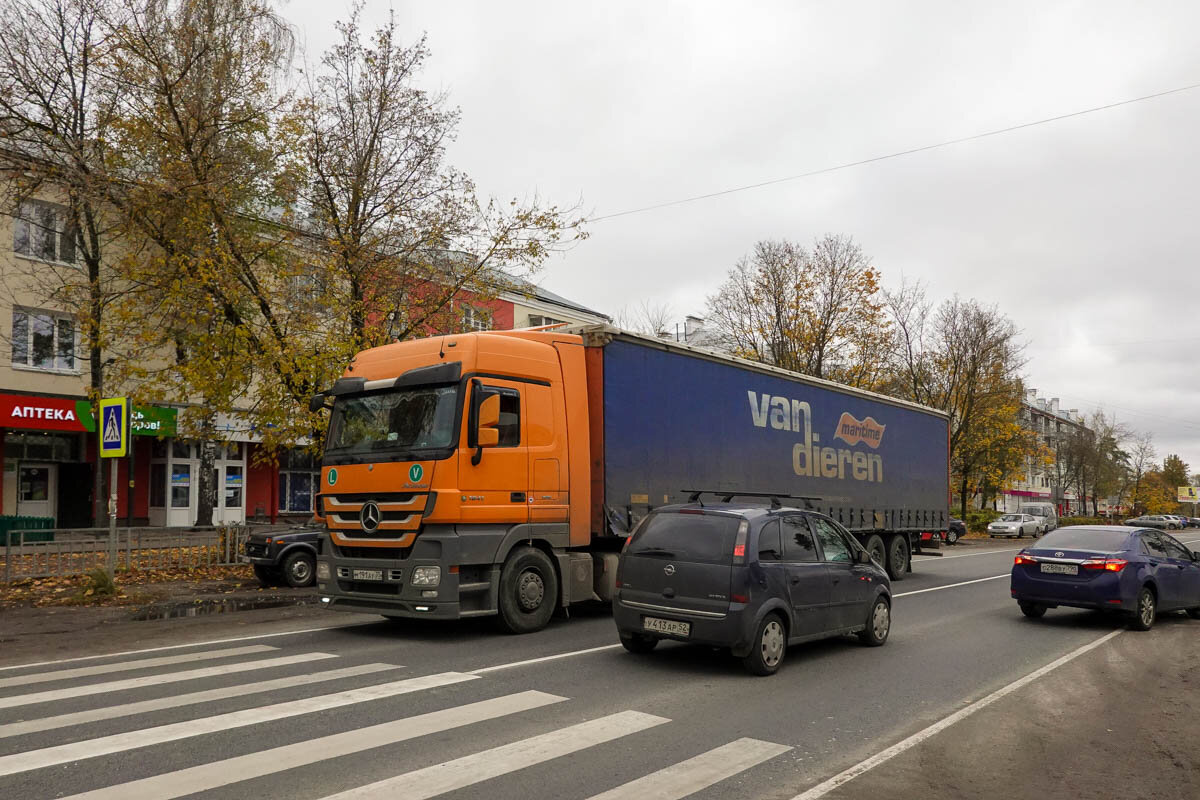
(653, 551)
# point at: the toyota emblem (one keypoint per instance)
(371, 517)
(669, 569)
(1060, 554)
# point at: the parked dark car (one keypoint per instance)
(1137, 571)
(284, 557)
(1159, 521)
(956, 531)
(751, 579)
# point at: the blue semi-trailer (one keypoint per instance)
(499, 473)
(678, 419)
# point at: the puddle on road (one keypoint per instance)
(201, 608)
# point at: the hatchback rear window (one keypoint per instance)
(1084, 539)
(699, 538)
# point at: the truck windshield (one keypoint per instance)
(399, 420)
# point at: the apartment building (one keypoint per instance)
(1040, 482)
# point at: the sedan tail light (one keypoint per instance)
(1024, 559)
(1106, 564)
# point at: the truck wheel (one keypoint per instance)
(299, 570)
(897, 556)
(528, 591)
(768, 647)
(874, 546)
(266, 576)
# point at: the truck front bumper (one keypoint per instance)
(384, 585)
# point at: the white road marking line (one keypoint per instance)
(105, 745)
(555, 657)
(952, 585)
(155, 680)
(688, 777)
(824, 788)
(176, 701)
(269, 762)
(469, 770)
(181, 646)
(125, 666)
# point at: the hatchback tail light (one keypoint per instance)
(1024, 559)
(739, 543)
(1106, 564)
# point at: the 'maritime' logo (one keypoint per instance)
(852, 430)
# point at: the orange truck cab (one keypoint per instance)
(500, 473)
(455, 480)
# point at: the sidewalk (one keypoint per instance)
(152, 614)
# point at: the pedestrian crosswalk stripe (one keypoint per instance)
(125, 666)
(154, 680)
(688, 777)
(469, 770)
(105, 745)
(269, 762)
(176, 701)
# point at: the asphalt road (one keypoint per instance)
(420, 710)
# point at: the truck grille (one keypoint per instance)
(400, 513)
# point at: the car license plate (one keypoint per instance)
(367, 574)
(669, 626)
(1061, 569)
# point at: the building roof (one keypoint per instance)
(530, 289)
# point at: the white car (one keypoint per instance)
(1016, 525)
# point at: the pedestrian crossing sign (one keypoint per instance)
(114, 427)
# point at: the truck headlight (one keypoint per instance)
(322, 570)
(426, 576)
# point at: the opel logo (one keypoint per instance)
(669, 569)
(1060, 554)
(371, 517)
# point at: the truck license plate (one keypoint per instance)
(669, 626)
(1061, 569)
(368, 574)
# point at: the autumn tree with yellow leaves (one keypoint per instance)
(816, 311)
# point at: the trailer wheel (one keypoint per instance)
(528, 591)
(897, 556)
(874, 546)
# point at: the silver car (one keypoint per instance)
(1016, 525)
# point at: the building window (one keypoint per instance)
(476, 319)
(536, 321)
(299, 473)
(44, 231)
(43, 340)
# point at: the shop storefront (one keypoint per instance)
(49, 458)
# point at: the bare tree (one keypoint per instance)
(652, 319)
(1142, 459)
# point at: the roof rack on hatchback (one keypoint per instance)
(694, 496)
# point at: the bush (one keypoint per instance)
(1065, 521)
(97, 585)
(978, 519)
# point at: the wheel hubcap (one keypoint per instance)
(772, 643)
(300, 570)
(880, 620)
(1147, 609)
(530, 590)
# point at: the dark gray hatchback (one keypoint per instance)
(748, 578)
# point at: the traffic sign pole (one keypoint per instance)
(114, 430)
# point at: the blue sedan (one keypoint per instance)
(1137, 571)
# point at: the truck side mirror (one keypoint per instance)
(316, 403)
(489, 422)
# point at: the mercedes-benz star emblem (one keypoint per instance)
(1060, 554)
(371, 517)
(669, 569)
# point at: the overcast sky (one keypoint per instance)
(1084, 231)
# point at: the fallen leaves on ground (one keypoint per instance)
(134, 587)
